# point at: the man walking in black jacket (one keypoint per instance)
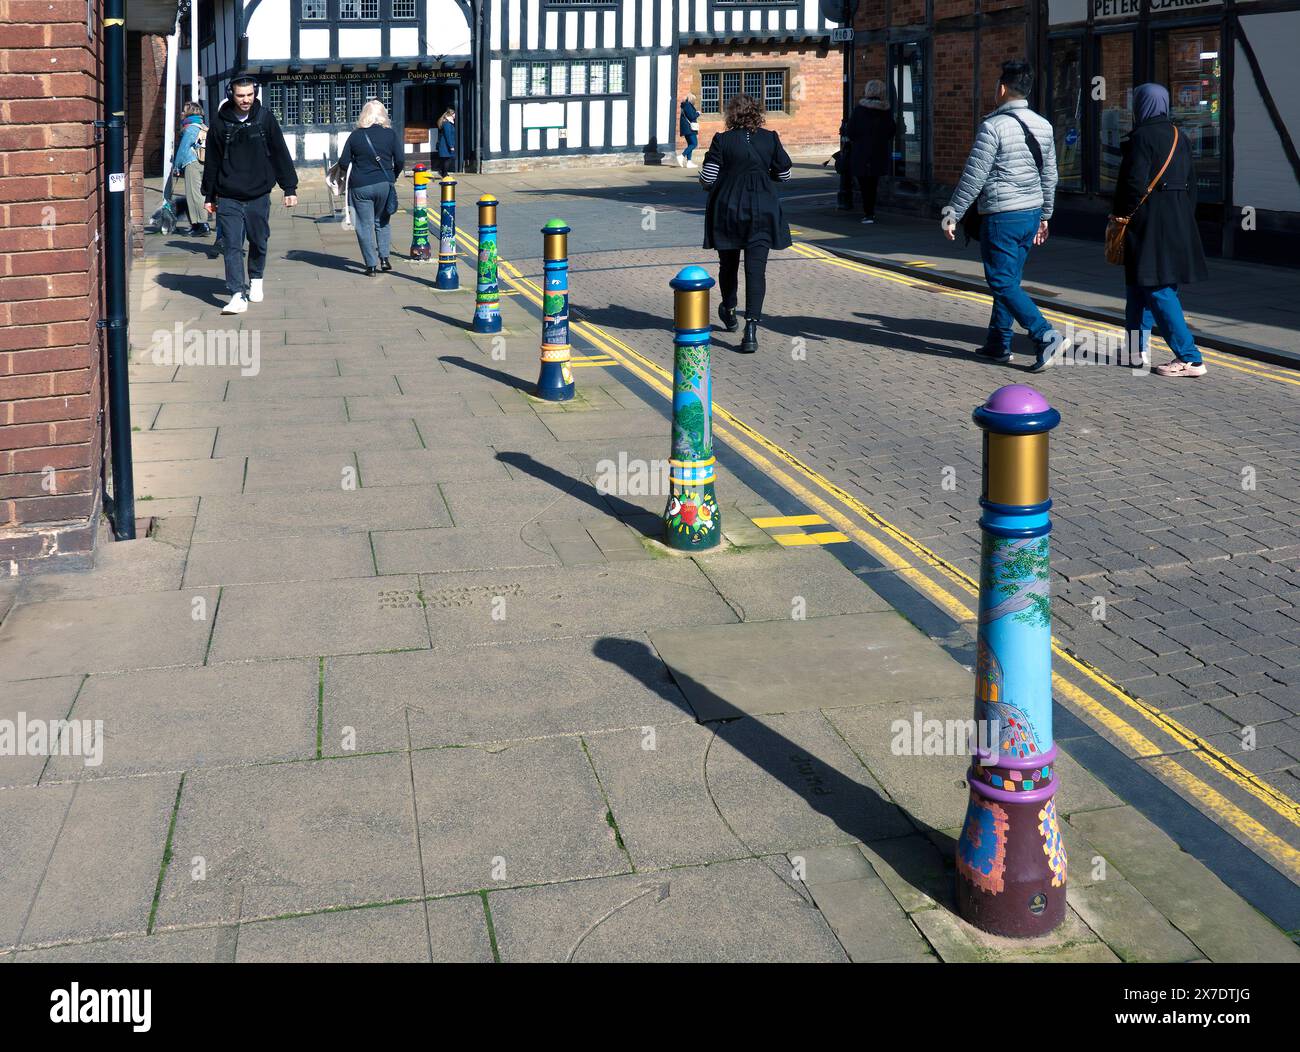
(246, 157)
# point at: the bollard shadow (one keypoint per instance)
(606, 503)
(325, 261)
(854, 807)
(915, 336)
(202, 287)
(495, 375)
(446, 319)
(615, 317)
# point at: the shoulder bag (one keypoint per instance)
(390, 206)
(972, 221)
(1117, 226)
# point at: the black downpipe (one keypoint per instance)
(845, 197)
(119, 402)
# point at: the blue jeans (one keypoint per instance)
(368, 203)
(1158, 305)
(1005, 240)
(692, 141)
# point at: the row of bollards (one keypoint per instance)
(1010, 858)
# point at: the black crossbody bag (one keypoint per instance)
(972, 220)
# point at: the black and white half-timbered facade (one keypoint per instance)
(532, 81)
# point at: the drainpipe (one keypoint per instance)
(115, 248)
(169, 117)
(194, 51)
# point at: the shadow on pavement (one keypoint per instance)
(632, 514)
(455, 323)
(495, 375)
(208, 289)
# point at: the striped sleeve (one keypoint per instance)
(782, 166)
(712, 166)
(709, 173)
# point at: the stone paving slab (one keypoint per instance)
(416, 467)
(309, 618)
(185, 718)
(498, 693)
(253, 517)
(456, 931)
(1133, 928)
(273, 559)
(732, 911)
(121, 568)
(778, 584)
(262, 389)
(955, 941)
(189, 478)
(544, 821)
(292, 837)
(404, 405)
(99, 847)
(461, 549)
(490, 503)
(182, 444)
(197, 946)
(280, 438)
(823, 662)
(261, 416)
(286, 474)
(613, 600)
(34, 699)
(39, 640)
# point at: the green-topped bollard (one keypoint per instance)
(487, 296)
(448, 278)
(692, 521)
(421, 177)
(555, 381)
(1010, 856)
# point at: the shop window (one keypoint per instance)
(907, 62)
(1115, 116)
(1188, 64)
(1067, 110)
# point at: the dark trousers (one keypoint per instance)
(755, 278)
(237, 221)
(868, 184)
(444, 163)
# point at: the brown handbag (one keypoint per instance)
(1117, 226)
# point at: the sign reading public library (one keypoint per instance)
(1102, 9)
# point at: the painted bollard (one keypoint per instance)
(555, 381)
(448, 277)
(1010, 856)
(692, 521)
(421, 177)
(487, 296)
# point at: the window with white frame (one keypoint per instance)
(350, 9)
(314, 10)
(555, 79)
(332, 101)
(403, 8)
(719, 87)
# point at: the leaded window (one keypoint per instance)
(314, 10)
(403, 8)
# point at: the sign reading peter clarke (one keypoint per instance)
(1103, 9)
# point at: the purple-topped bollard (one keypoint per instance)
(1010, 857)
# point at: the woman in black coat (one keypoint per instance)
(1162, 248)
(740, 171)
(871, 144)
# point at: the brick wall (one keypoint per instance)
(51, 438)
(814, 88)
(146, 70)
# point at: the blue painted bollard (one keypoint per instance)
(555, 381)
(448, 277)
(1010, 857)
(487, 295)
(692, 521)
(421, 177)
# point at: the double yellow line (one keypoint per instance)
(950, 588)
(1262, 370)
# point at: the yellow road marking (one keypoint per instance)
(793, 540)
(767, 521)
(654, 376)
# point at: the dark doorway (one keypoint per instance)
(425, 103)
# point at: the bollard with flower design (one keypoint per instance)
(421, 177)
(448, 277)
(555, 378)
(692, 521)
(1010, 856)
(487, 297)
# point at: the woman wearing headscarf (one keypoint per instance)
(743, 214)
(1162, 248)
(187, 165)
(871, 143)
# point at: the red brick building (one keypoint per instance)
(53, 411)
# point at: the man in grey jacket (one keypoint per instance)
(1015, 186)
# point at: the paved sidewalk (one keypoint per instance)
(390, 646)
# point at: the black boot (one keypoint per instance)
(370, 272)
(384, 264)
(728, 316)
(749, 342)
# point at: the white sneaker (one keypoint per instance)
(690, 164)
(237, 304)
(681, 161)
(867, 222)
(255, 293)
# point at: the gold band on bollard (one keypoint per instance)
(487, 210)
(448, 189)
(555, 246)
(1015, 468)
(691, 309)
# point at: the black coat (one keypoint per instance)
(246, 158)
(357, 153)
(871, 141)
(1162, 246)
(744, 208)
